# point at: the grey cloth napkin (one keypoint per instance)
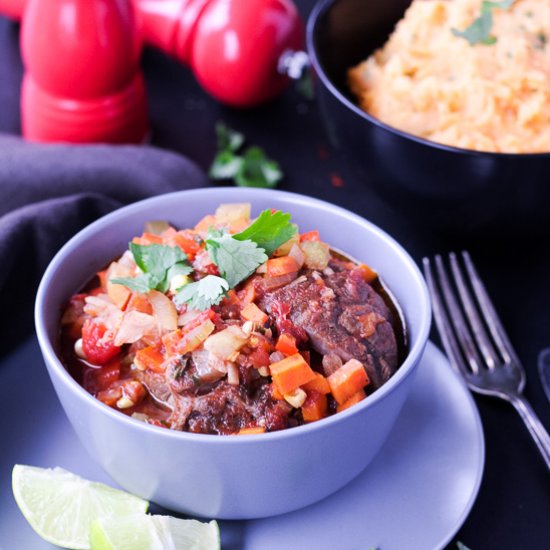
(49, 192)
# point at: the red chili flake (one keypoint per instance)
(336, 180)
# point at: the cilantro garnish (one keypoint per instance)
(269, 231)
(479, 32)
(236, 260)
(203, 294)
(159, 264)
(238, 256)
(251, 168)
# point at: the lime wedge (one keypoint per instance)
(143, 532)
(60, 506)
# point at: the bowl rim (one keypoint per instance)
(319, 10)
(57, 369)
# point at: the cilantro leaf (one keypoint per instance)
(269, 231)
(251, 168)
(226, 166)
(142, 283)
(236, 259)
(228, 139)
(159, 264)
(479, 32)
(256, 170)
(203, 294)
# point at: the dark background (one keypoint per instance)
(512, 510)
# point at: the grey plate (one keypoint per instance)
(415, 494)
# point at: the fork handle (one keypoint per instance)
(535, 426)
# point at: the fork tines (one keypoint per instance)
(470, 329)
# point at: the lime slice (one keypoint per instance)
(60, 506)
(143, 532)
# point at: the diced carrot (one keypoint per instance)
(310, 236)
(139, 302)
(315, 406)
(281, 266)
(119, 294)
(251, 430)
(147, 239)
(286, 343)
(355, 398)
(291, 372)
(232, 296)
(206, 223)
(275, 393)
(171, 341)
(252, 312)
(368, 274)
(305, 353)
(318, 384)
(150, 358)
(347, 380)
(248, 293)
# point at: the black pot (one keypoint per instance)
(446, 187)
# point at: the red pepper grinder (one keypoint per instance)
(234, 47)
(82, 81)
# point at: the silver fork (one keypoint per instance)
(475, 340)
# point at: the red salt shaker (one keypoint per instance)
(82, 79)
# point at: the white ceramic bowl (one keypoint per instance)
(228, 476)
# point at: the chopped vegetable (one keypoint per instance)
(252, 312)
(286, 344)
(290, 373)
(226, 343)
(347, 380)
(352, 400)
(281, 266)
(195, 337)
(98, 343)
(149, 358)
(318, 384)
(315, 406)
(316, 254)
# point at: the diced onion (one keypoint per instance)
(233, 375)
(271, 283)
(164, 310)
(226, 342)
(316, 253)
(134, 325)
(298, 256)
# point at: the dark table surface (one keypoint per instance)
(512, 510)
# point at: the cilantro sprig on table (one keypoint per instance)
(159, 263)
(248, 168)
(236, 256)
(479, 32)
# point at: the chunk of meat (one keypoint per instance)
(343, 316)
